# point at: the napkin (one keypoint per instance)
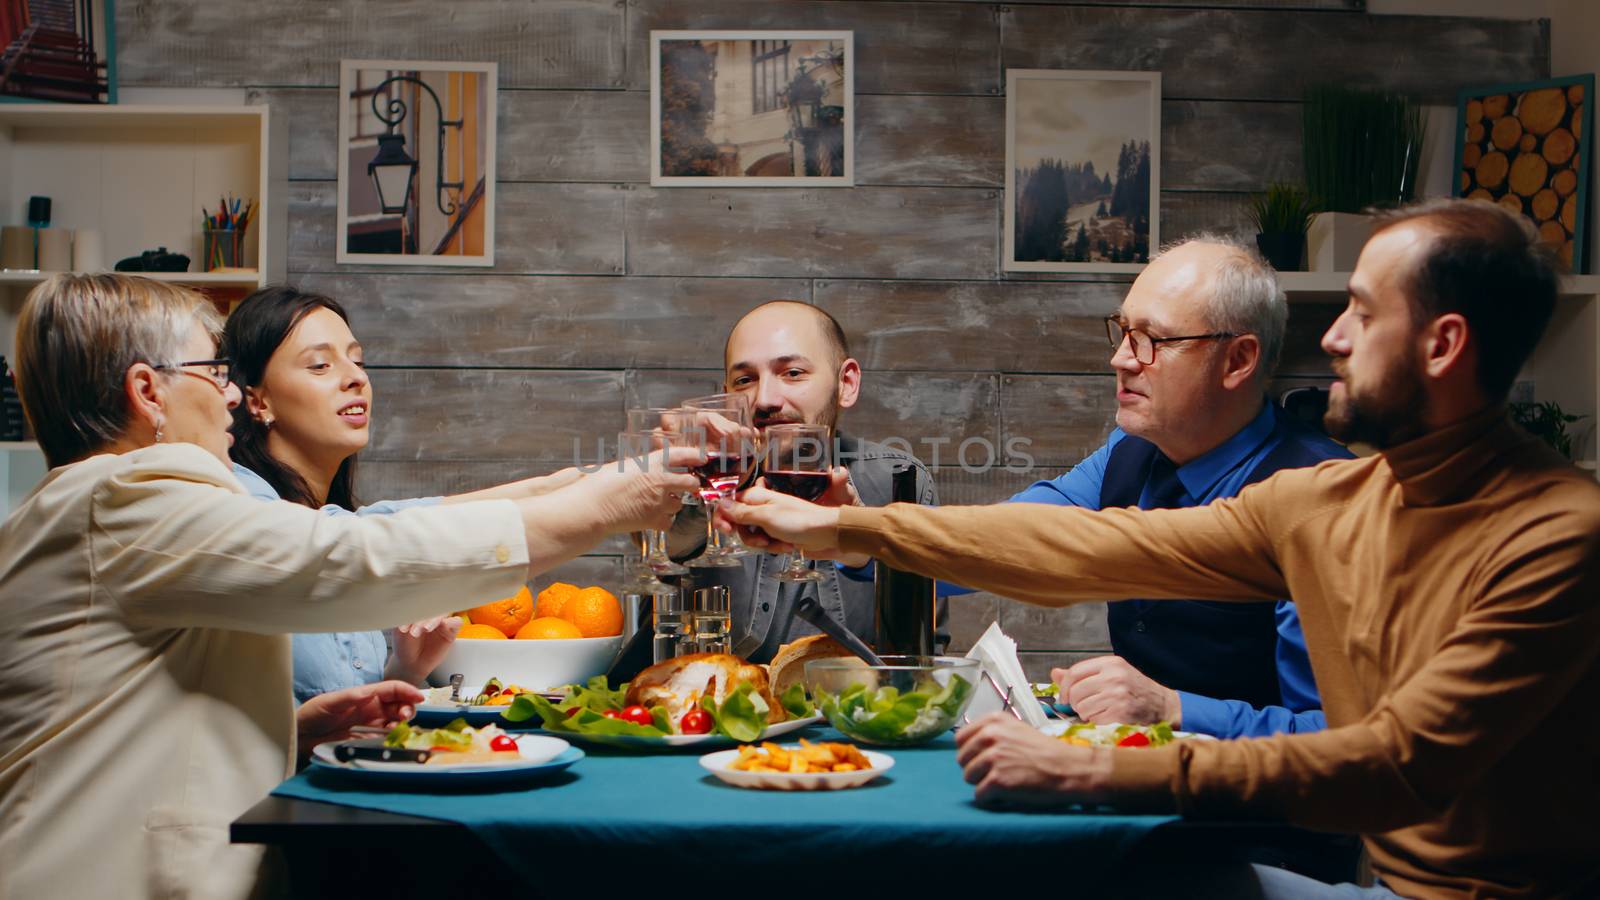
(998, 654)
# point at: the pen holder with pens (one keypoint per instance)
(223, 248)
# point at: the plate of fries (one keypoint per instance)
(805, 766)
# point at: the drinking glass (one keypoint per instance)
(798, 460)
(712, 619)
(729, 456)
(673, 619)
(652, 559)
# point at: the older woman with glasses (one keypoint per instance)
(146, 599)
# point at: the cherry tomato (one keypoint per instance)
(1136, 739)
(612, 714)
(502, 742)
(695, 721)
(638, 715)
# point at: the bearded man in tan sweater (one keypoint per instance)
(1449, 588)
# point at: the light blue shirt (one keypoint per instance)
(340, 659)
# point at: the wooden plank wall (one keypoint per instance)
(608, 293)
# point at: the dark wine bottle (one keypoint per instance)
(904, 599)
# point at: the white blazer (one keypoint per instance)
(146, 603)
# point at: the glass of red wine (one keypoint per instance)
(730, 455)
(798, 462)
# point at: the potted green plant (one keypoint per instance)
(1362, 150)
(1281, 216)
(1548, 422)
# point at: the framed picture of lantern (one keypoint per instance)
(416, 163)
(1526, 147)
(752, 108)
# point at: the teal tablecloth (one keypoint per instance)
(613, 810)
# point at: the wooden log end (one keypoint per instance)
(1541, 110)
(1544, 204)
(1529, 173)
(1506, 133)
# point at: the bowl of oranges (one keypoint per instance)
(563, 635)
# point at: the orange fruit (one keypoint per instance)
(507, 615)
(548, 628)
(552, 598)
(481, 632)
(465, 619)
(595, 611)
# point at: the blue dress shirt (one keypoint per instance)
(339, 659)
(1219, 473)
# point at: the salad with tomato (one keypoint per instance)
(1088, 734)
(597, 708)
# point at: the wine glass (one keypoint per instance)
(730, 454)
(798, 462)
(653, 560)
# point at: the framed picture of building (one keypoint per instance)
(1083, 170)
(1526, 147)
(752, 108)
(416, 163)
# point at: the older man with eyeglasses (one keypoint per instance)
(1193, 346)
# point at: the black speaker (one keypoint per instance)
(39, 212)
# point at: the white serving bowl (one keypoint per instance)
(536, 665)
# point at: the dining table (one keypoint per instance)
(660, 821)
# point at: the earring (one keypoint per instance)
(267, 423)
(159, 427)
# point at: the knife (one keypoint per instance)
(348, 752)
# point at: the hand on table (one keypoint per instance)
(1109, 689)
(330, 716)
(420, 647)
(1013, 764)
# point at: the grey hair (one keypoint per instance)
(77, 337)
(1248, 297)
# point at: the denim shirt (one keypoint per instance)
(341, 659)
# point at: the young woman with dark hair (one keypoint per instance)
(306, 414)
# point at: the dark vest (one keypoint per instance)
(1206, 647)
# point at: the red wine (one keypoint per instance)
(805, 485)
(721, 472)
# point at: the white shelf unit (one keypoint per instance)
(139, 175)
(1563, 368)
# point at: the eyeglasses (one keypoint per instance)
(218, 371)
(1144, 346)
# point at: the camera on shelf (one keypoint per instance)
(158, 260)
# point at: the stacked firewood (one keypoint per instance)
(1521, 151)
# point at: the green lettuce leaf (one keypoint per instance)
(741, 716)
(796, 703)
(587, 721)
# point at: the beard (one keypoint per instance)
(1385, 416)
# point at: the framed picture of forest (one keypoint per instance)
(1526, 147)
(1083, 170)
(752, 108)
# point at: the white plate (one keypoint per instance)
(717, 764)
(675, 741)
(1058, 727)
(540, 754)
(438, 714)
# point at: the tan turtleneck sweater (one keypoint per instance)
(1449, 589)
